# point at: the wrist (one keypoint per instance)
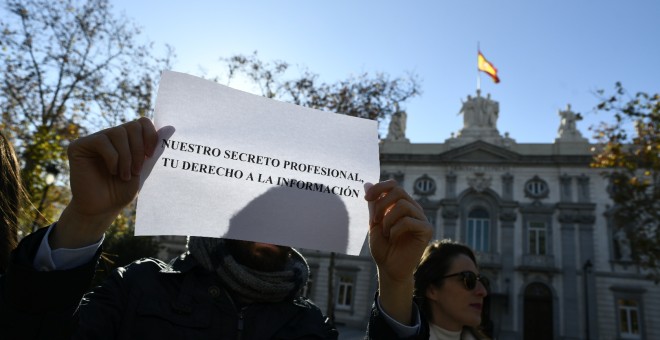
(76, 230)
(396, 296)
(396, 288)
(396, 279)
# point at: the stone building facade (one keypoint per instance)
(536, 214)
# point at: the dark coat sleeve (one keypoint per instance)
(318, 324)
(107, 309)
(40, 305)
(380, 329)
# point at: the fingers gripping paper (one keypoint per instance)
(235, 165)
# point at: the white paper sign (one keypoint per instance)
(236, 165)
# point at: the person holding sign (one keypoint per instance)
(442, 276)
(220, 289)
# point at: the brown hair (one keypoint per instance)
(10, 200)
(434, 264)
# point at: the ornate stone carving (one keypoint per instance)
(567, 218)
(581, 218)
(586, 219)
(508, 215)
(479, 182)
(450, 212)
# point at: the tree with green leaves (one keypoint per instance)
(66, 68)
(629, 154)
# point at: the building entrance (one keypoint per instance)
(537, 312)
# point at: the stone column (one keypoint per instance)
(450, 187)
(580, 217)
(450, 208)
(507, 187)
(587, 253)
(508, 218)
(449, 218)
(570, 300)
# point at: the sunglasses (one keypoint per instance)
(470, 279)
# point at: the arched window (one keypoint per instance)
(477, 235)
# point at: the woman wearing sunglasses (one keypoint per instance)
(448, 290)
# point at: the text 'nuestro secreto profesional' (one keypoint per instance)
(222, 171)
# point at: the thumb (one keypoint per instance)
(370, 204)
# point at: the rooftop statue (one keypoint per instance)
(397, 127)
(567, 127)
(480, 112)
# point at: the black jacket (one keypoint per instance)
(379, 329)
(150, 299)
(40, 305)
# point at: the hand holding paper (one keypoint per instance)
(235, 165)
(105, 175)
(399, 232)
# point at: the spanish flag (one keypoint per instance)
(485, 66)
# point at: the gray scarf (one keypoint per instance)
(250, 285)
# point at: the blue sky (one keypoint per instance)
(549, 53)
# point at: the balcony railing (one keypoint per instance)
(543, 262)
(489, 259)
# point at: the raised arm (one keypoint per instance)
(105, 177)
(398, 234)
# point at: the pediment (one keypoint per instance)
(479, 151)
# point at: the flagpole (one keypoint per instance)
(478, 81)
(478, 74)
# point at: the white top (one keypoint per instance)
(63, 258)
(438, 333)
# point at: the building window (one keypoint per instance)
(424, 185)
(478, 230)
(629, 327)
(537, 238)
(536, 188)
(345, 292)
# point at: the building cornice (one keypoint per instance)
(484, 153)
